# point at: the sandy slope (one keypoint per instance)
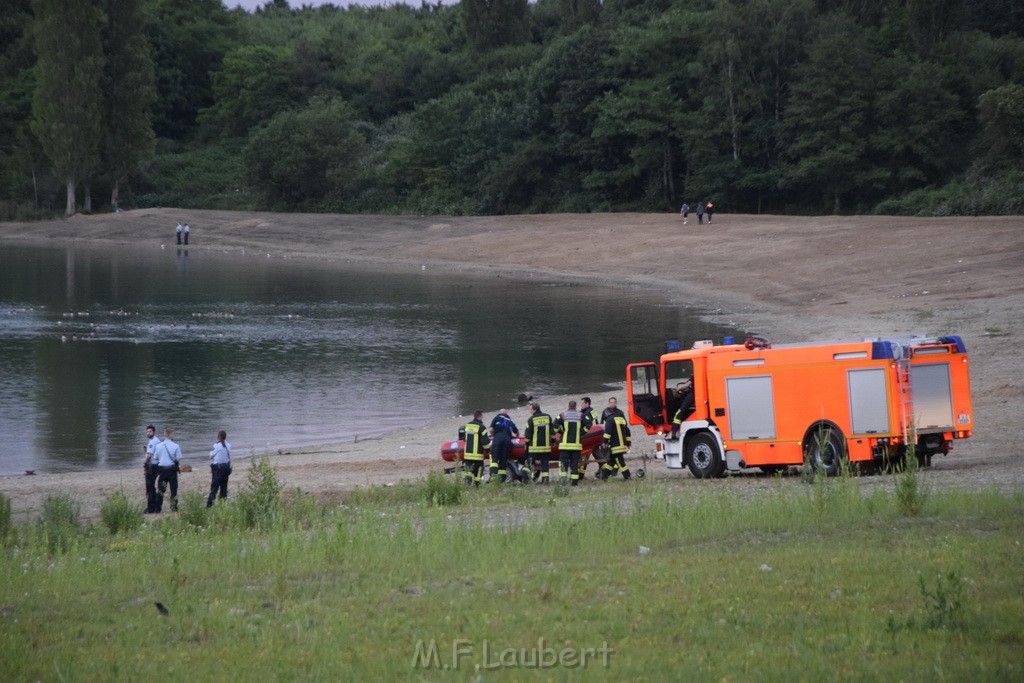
(788, 278)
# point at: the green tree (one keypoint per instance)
(254, 83)
(1001, 112)
(643, 113)
(494, 23)
(828, 118)
(744, 80)
(129, 92)
(917, 127)
(307, 159)
(189, 39)
(577, 13)
(24, 180)
(67, 106)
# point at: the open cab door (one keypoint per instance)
(644, 396)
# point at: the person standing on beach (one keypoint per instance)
(570, 425)
(168, 455)
(710, 210)
(618, 438)
(685, 211)
(538, 441)
(188, 230)
(149, 468)
(588, 419)
(700, 214)
(612, 410)
(220, 468)
(475, 435)
(502, 430)
(178, 231)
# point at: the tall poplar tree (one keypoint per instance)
(67, 106)
(129, 92)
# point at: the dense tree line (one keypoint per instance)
(505, 106)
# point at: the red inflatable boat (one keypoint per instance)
(451, 451)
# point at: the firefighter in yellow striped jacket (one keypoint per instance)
(475, 434)
(538, 441)
(618, 438)
(570, 425)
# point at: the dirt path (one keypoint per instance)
(788, 278)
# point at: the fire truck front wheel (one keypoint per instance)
(824, 448)
(703, 456)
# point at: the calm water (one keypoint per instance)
(95, 344)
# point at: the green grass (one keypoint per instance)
(797, 582)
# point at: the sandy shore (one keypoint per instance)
(787, 278)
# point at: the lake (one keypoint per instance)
(97, 343)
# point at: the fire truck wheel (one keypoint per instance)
(824, 448)
(703, 457)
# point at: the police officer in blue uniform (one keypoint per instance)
(220, 468)
(150, 470)
(168, 455)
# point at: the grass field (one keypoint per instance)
(648, 580)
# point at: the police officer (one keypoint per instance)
(475, 434)
(187, 231)
(538, 441)
(502, 431)
(220, 468)
(178, 232)
(150, 470)
(167, 455)
(570, 425)
(618, 438)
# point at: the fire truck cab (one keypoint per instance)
(759, 405)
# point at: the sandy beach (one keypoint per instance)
(786, 278)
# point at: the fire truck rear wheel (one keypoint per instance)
(823, 448)
(703, 457)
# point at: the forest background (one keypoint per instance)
(504, 106)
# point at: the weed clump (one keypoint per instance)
(120, 514)
(910, 493)
(192, 510)
(5, 519)
(943, 605)
(59, 522)
(442, 491)
(259, 502)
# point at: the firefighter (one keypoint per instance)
(502, 430)
(684, 394)
(475, 434)
(570, 425)
(589, 419)
(538, 441)
(618, 439)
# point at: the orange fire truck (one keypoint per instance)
(770, 406)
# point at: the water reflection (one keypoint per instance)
(96, 344)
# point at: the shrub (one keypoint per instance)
(944, 603)
(192, 509)
(259, 503)
(5, 519)
(59, 522)
(910, 494)
(120, 514)
(443, 491)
